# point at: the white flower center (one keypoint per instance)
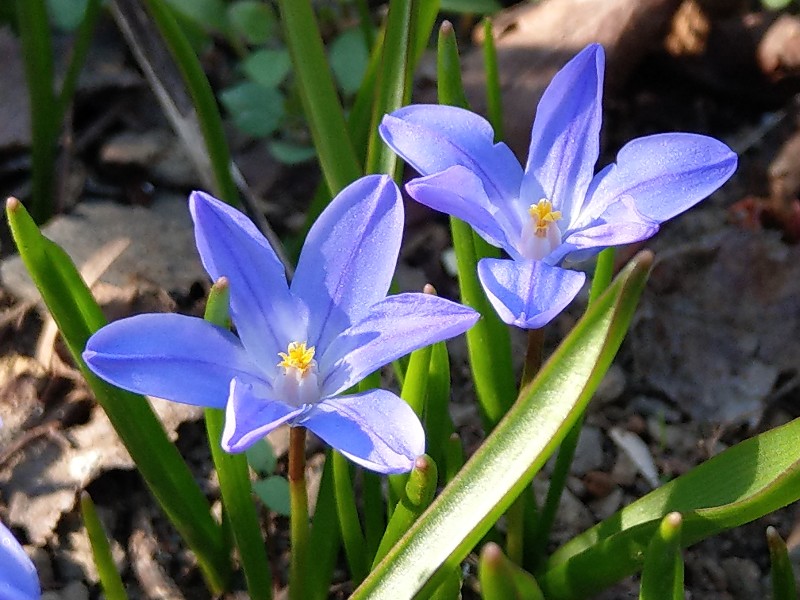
(541, 234)
(298, 384)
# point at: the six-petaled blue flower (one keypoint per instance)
(556, 208)
(297, 348)
(18, 579)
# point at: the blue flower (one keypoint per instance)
(18, 579)
(297, 348)
(556, 209)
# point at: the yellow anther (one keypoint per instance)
(543, 216)
(298, 357)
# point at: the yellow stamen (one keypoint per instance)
(543, 216)
(298, 357)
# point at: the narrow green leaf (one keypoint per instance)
(37, 53)
(325, 536)
(234, 475)
(416, 497)
(438, 424)
(747, 481)
(784, 586)
(318, 93)
(454, 457)
(110, 580)
(662, 573)
(78, 316)
(501, 579)
(471, 6)
(390, 88)
(494, 100)
(203, 97)
(488, 341)
(355, 548)
(517, 448)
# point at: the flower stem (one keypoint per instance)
(299, 512)
(515, 517)
(604, 271)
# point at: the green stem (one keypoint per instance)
(37, 53)
(494, 101)
(352, 536)
(515, 517)
(83, 40)
(110, 580)
(603, 273)
(298, 499)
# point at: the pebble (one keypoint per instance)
(589, 452)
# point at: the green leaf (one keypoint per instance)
(482, 7)
(209, 14)
(348, 57)
(78, 316)
(784, 586)
(66, 14)
(291, 154)
(662, 573)
(253, 20)
(501, 579)
(274, 493)
(518, 447)
(267, 67)
(110, 580)
(747, 481)
(775, 4)
(261, 458)
(256, 110)
(321, 104)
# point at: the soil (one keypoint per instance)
(670, 75)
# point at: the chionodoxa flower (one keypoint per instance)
(18, 579)
(556, 209)
(297, 347)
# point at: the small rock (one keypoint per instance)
(599, 484)
(744, 578)
(605, 507)
(648, 406)
(624, 470)
(156, 152)
(612, 385)
(589, 453)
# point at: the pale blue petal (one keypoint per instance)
(433, 137)
(393, 328)
(349, 257)
(250, 415)
(266, 316)
(528, 294)
(665, 174)
(184, 359)
(374, 429)
(565, 140)
(18, 579)
(620, 223)
(457, 191)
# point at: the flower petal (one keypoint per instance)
(565, 140)
(433, 137)
(529, 293)
(666, 173)
(265, 314)
(249, 416)
(374, 429)
(18, 578)
(457, 191)
(184, 359)
(393, 328)
(349, 257)
(621, 223)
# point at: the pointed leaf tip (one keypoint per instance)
(12, 204)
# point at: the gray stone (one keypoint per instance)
(589, 453)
